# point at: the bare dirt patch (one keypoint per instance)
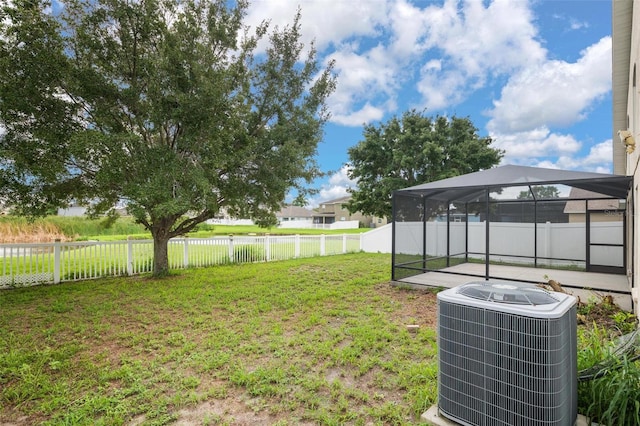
(416, 307)
(410, 307)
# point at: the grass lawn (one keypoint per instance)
(225, 230)
(309, 341)
(16, 229)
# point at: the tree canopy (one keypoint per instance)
(412, 150)
(540, 192)
(169, 106)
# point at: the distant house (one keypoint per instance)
(600, 210)
(329, 215)
(547, 211)
(291, 216)
(333, 211)
(76, 210)
(73, 210)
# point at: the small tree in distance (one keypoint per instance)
(162, 104)
(412, 150)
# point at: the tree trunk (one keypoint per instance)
(160, 254)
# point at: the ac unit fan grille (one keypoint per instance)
(503, 369)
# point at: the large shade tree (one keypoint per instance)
(174, 107)
(412, 150)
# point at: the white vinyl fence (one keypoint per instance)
(554, 240)
(50, 263)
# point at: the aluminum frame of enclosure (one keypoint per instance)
(415, 204)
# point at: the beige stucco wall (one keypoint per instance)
(622, 12)
(368, 221)
(595, 217)
(628, 40)
(342, 214)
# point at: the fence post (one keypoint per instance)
(185, 257)
(267, 248)
(56, 261)
(547, 242)
(322, 245)
(129, 255)
(231, 257)
(344, 243)
(296, 250)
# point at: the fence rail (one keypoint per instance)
(52, 263)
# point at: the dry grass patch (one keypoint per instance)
(30, 232)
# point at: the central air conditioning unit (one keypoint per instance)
(507, 355)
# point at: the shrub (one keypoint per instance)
(613, 399)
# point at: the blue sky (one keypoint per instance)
(533, 75)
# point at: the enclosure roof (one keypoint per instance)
(473, 185)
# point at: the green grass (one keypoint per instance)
(206, 231)
(320, 340)
(83, 229)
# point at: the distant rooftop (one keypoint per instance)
(294, 211)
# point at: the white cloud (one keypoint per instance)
(341, 178)
(327, 23)
(540, 148)
(362, 77)
(471, 48)
(571, 23)
(448, 51)
(535, 143)
(599, 159)
(600, 154)
(441, 90)
(326, 194)
(366, 114)
(574, 24)
(336, 187)
(553, 93)
(452, 48)
(500, 37)
(407, 27)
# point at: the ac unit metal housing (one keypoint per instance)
(507, 355)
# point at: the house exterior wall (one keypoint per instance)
(595, 217)
(333, 212)
(622, 13)
(73, 211)
(626, 116)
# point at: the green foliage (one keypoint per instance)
(626, 322)
(160, 104)
(412, 150)
(614, 398)
(540, 192)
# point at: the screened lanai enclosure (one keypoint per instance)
(515, 223)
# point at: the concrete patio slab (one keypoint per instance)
(433, 418)
(585, 285)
